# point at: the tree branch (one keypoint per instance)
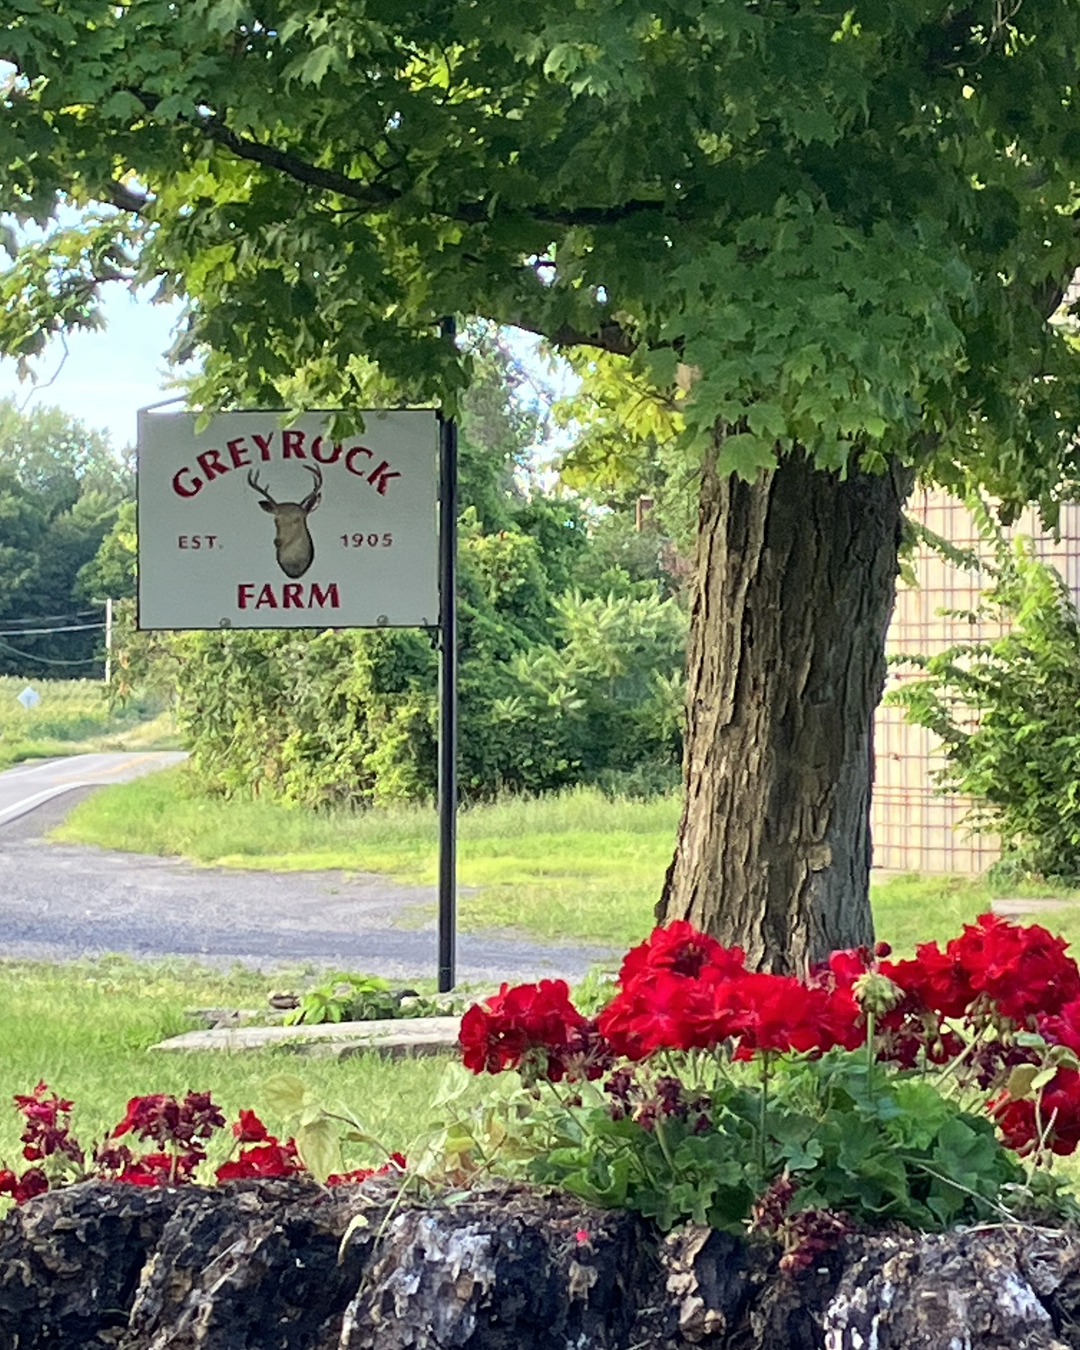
(373, 196)
(124, 199)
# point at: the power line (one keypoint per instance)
(50, 661)
(54, 618)
(36, 632)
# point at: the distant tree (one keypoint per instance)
(61, 488)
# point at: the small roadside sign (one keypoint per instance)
(29, 698)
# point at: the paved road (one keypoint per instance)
(60, 901)
(30, 785)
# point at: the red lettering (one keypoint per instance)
(383, 473)
(351, 456)
(211, 465)
(316, 447)
(235, 452)
(266, 597)
(293, 596)
(320, 598)
(263, 442)
(293, 442)
(244, 592)
(178, 487)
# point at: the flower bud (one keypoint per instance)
(876, 993)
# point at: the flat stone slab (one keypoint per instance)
(397, 1036)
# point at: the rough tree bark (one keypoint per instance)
(794, 588)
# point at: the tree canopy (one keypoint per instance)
(829, 226)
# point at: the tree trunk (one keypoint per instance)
(795, 582)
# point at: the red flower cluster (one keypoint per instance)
(268, 1156)
(532, 1023)
(1052, 1120)
(46, 1136)
(394, 1166)
(32, 1182)
(48, 1126)
(681, 990)
(1018, 972)
(179, 1128)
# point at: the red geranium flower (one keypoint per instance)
(1024, 970)
(780, 1013)
(249, 1129)
(48, 1125)
(528, 1017)
(268, 1159)
(1058, 1115)
(32, 1182)
(680, 949)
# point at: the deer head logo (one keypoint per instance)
(292, 540)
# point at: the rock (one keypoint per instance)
(285, 1264)
(71, 1261)
(952, 1291)
(392, 1035)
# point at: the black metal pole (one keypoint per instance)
(448, 784)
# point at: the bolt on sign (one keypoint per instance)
(252, 524)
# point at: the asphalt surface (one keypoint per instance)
(59, 902)
(28, 786)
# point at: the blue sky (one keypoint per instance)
(108, 375)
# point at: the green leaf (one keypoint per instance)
(746, 455)
(312, 68)
(285, 1095)
(122, 106)
(318, 1146)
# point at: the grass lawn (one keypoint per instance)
(85, 1029)
(74, 717)
(573, 867)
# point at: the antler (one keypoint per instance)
(253, 482)
(311, 501)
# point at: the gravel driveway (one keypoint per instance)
(62, 901)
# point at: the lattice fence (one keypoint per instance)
(916, 829)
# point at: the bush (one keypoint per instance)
(1008, 713)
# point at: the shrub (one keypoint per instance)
(1008, 713)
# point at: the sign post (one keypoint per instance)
(448, 784)
(252, 523)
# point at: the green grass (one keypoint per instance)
(575, 867)
(72, 717)
(85, 1029)
(911, 909)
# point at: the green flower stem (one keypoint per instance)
(871, 1052)
(665, 1147)
(763, 1118)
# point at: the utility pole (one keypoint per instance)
(108, 641)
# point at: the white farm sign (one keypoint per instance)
(249, 524)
